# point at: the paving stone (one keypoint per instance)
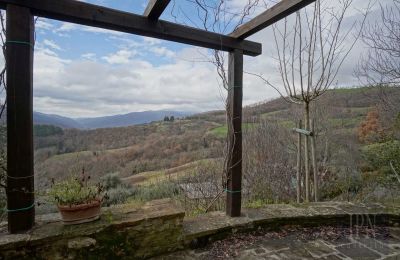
(318, 248)
(357, 251)
(331, 257)
(376, 245)
(276, 244)
(295, 253)
(395, 232)
(393, 257)
(260, 251)
(339, 241)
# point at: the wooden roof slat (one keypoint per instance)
(155, 8)
(268, 17)
(107, 18)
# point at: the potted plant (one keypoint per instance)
(77, 200)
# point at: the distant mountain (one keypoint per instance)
(61, 121)
(134, 118)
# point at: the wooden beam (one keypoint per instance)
(234, 167)
(19, 61)
(155, 8)
(269, 17)
(107, 18)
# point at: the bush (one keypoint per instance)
(117, 192)
(379, 155)
(160, 190)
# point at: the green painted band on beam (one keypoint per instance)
(21, 209)
(21, 42)
(233, 191)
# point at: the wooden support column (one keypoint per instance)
(19, 64)
(234, 112)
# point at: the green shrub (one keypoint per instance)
(379, 155)
(111, 181)
(160, 190)
(117, 195)
(117, 192)
(377, 171)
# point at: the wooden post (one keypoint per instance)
(307, 153)
(19, 65)
(234, 112)
(298, 173)
(314, 161)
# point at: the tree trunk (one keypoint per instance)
(314, 161)
(298, 173)
(306, 150)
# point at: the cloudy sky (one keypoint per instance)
(82, 71)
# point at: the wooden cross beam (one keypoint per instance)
(269, 17)
(97, 16)
(155, 8)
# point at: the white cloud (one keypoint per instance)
(90, 88)
(162, 51)
(94, 87)
(120, 57)
(51, 44)
(43, 24)
(89, 56)
(66, 27)
(151, 41)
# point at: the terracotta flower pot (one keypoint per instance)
(82, 213)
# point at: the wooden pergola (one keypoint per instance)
(19, 62)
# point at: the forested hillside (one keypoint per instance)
(162, 145)
(269, 145)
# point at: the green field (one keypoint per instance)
(222, 131)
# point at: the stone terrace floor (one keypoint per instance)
(303, 243)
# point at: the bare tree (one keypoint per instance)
(221, 17)
(381, 65)
(311, 48)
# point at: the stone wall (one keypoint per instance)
(159, 227)
(122, 232)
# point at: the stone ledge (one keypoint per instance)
(216, 225)
(152, 229)
(159, 227)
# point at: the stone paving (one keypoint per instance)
(327, 244)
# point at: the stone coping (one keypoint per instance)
(50, 227)
(216, 225)
(159, 227)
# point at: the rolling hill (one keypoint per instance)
(134, 118)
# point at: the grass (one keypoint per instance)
(287, 124)
(359, 110)
(154, 177)
(346, 122)
(273, 113)
(349, 90)
(222, 131)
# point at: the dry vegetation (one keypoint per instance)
(154, 159)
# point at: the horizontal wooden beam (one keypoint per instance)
(270, 16)
(155, 8)
(97, 16)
